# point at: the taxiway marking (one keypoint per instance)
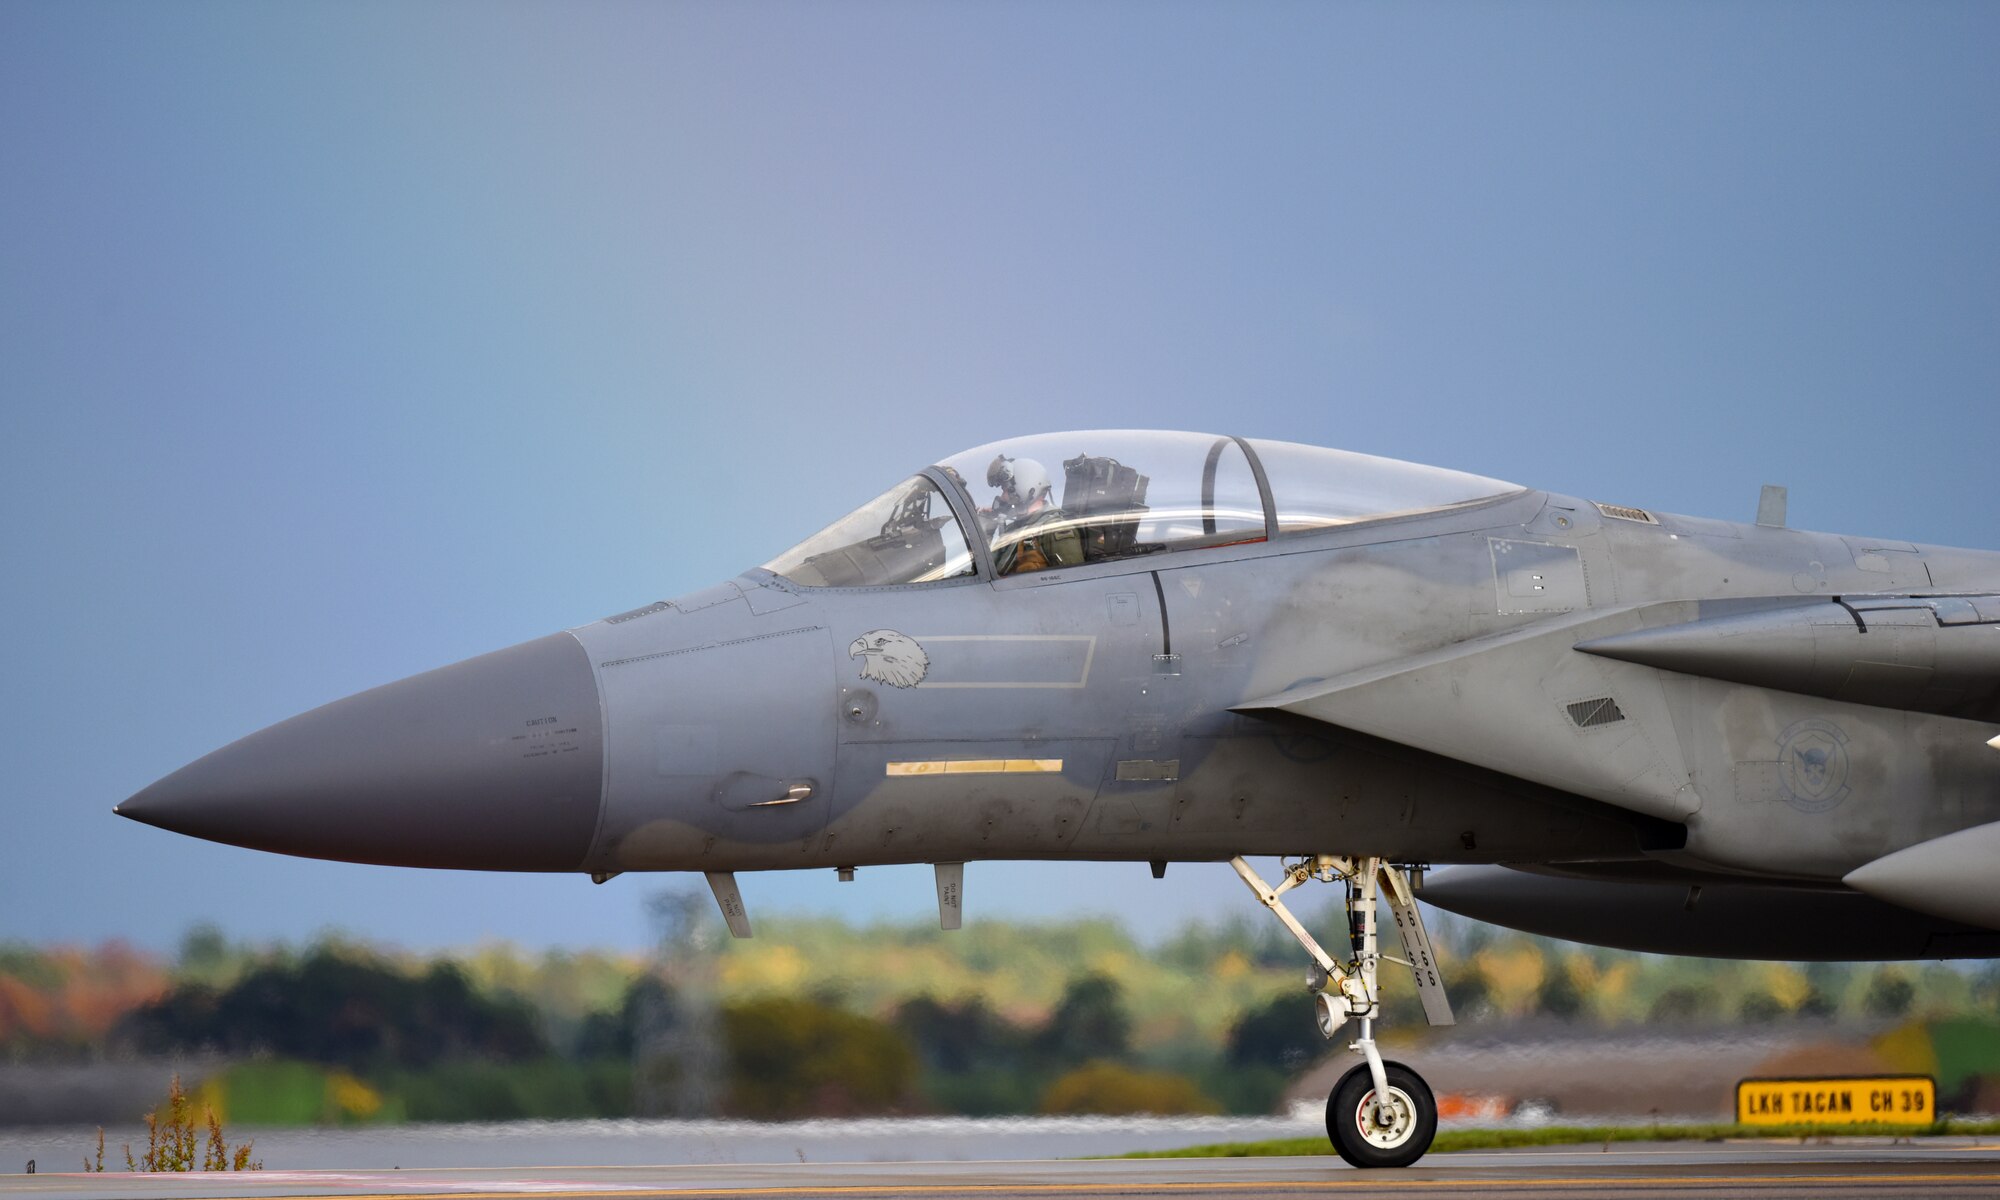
(1370, 1181)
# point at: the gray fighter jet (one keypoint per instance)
(1628, 727)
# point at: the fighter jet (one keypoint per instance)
(1623, 726)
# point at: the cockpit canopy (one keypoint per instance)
(1067, 499)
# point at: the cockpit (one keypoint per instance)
(1071, 499)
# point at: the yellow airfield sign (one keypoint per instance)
(1838, 1100)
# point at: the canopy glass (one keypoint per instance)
(1069, 499)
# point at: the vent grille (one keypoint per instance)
(1589, 714)
(1624, 513)
(647, 611)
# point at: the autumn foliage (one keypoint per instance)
(67, 996)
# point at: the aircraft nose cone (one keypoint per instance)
(494, 763)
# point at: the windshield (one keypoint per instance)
(1065, 499)
(906, 535)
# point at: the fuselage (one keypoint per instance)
(1105, 709)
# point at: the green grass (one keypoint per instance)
(1583, 1135)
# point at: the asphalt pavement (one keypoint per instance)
(1936, 1167)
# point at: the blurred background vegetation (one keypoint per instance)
(820, 1017)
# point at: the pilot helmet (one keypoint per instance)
(1021, 481)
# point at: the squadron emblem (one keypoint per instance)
(890, 657)
(1813, 766)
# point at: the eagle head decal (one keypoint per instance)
(1813, 761)
(890, 657)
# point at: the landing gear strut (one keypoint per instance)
(1380, 1114)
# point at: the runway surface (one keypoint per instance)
(1943, 1167)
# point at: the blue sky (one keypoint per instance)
(340, 341)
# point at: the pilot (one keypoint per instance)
(1023, 504)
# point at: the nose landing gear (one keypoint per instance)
(1380, 1114)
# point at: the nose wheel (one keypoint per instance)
(1380, 1114)
(1368, 1134)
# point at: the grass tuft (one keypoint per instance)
(173, 1138)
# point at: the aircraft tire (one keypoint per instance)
(1350, 1124)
